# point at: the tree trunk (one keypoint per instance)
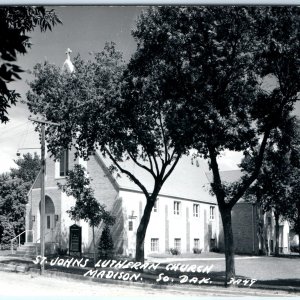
(229, 244)
(276, 234)
(141, 231)
(94, 244)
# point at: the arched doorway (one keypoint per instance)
(49, 220)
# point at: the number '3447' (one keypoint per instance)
(241, 281)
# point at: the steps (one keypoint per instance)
(28, 250)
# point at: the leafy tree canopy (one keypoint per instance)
(13, 199)
(14, 187)
(28, 167)
(274, 184)
(15, 23)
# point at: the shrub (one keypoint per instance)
(174, 251)
(6, 231)
(294, 248)
(215, 249)
(197, 250)
(61, 251)
(106, 244)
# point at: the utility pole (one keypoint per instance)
(43, 173)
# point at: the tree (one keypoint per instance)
(14, 187)
(293, 215)
(86, 207)
(6, 231)
(28, 167)
(208, 64)
(106, 244)
(13, 199)
(275, 184)
(95, 109)
(293, 199)
(15, 23)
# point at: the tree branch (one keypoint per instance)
(217, 183)
(129, 174)
(156, 165)
(142, 166)
(171, 169)
(248, 181)
(163, 133)
(150, 160)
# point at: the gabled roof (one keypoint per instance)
(227, 176)
(36, 183)
(187, 181)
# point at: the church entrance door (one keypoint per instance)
(49, 228)
(49, 220)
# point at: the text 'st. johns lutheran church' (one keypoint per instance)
(185, 215)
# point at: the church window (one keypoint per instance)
(130, 225)
(196, 210)
(177, 208)
(154, 245)
(64, 163)
(211, 212)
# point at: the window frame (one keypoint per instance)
(177, 241)
(196, 210)
(64, 163)
(154, 245)
(130, 225)
(196, 243)
(212, 210)
(177, 208)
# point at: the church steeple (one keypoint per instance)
(68, 65)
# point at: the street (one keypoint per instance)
(19, 284)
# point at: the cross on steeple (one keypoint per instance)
(68, 66)
(68, 51)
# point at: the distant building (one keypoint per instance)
(253, 230)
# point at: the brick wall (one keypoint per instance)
(244, 227)
(106, 189)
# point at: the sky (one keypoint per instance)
(85, 29)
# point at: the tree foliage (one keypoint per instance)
(15, 23)
(293, 215)
(87, 207)
(28, 166)
(275, 186)
(14, 187)
(13, 198)
(106, 244)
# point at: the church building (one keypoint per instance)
(185, 215)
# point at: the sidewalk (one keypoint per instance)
(17, 264)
